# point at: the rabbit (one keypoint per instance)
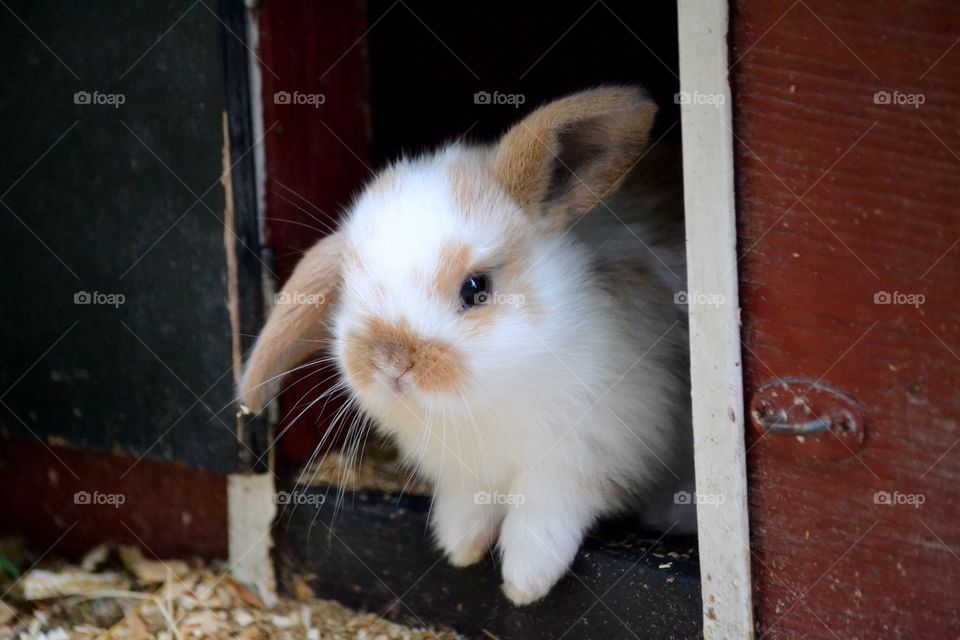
(506, 313)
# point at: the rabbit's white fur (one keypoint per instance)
(568, 401)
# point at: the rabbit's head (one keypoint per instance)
(451, 274)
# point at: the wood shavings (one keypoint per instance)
(195, 601)
(39, 584)
(242, 618)
(95, 557)
(149, 571)
(301, 589)
(247, 596)
(7, 613)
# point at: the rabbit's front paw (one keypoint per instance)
(468, 552)
(464, 528)
(535, 556)
(529, 576)
(526, 594)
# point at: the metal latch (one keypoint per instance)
(818, 420)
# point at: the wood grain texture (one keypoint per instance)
(128, 202)
(169, 509)
(841, 198)
(716, 375)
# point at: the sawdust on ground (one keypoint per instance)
(116, 593)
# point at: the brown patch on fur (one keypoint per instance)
(434, 366)
(453, 266)
(564, 158)
(437, 369)
(357, 362)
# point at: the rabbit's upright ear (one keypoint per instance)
(296, 327)
(565, 157)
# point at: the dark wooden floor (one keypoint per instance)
(376, 554)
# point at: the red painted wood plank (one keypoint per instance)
(843, 196)
(316, 157)
(172, 510)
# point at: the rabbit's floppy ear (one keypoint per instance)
(296, 326)
(565, 157)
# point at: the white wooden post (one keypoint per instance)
(716, 375)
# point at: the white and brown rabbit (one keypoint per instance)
(526, 354)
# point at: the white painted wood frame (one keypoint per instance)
(716, 374)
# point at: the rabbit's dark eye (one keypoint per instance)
(474, 291)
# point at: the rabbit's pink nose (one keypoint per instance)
(393, 361)
(393, 354)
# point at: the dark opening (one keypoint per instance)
(433, 77)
